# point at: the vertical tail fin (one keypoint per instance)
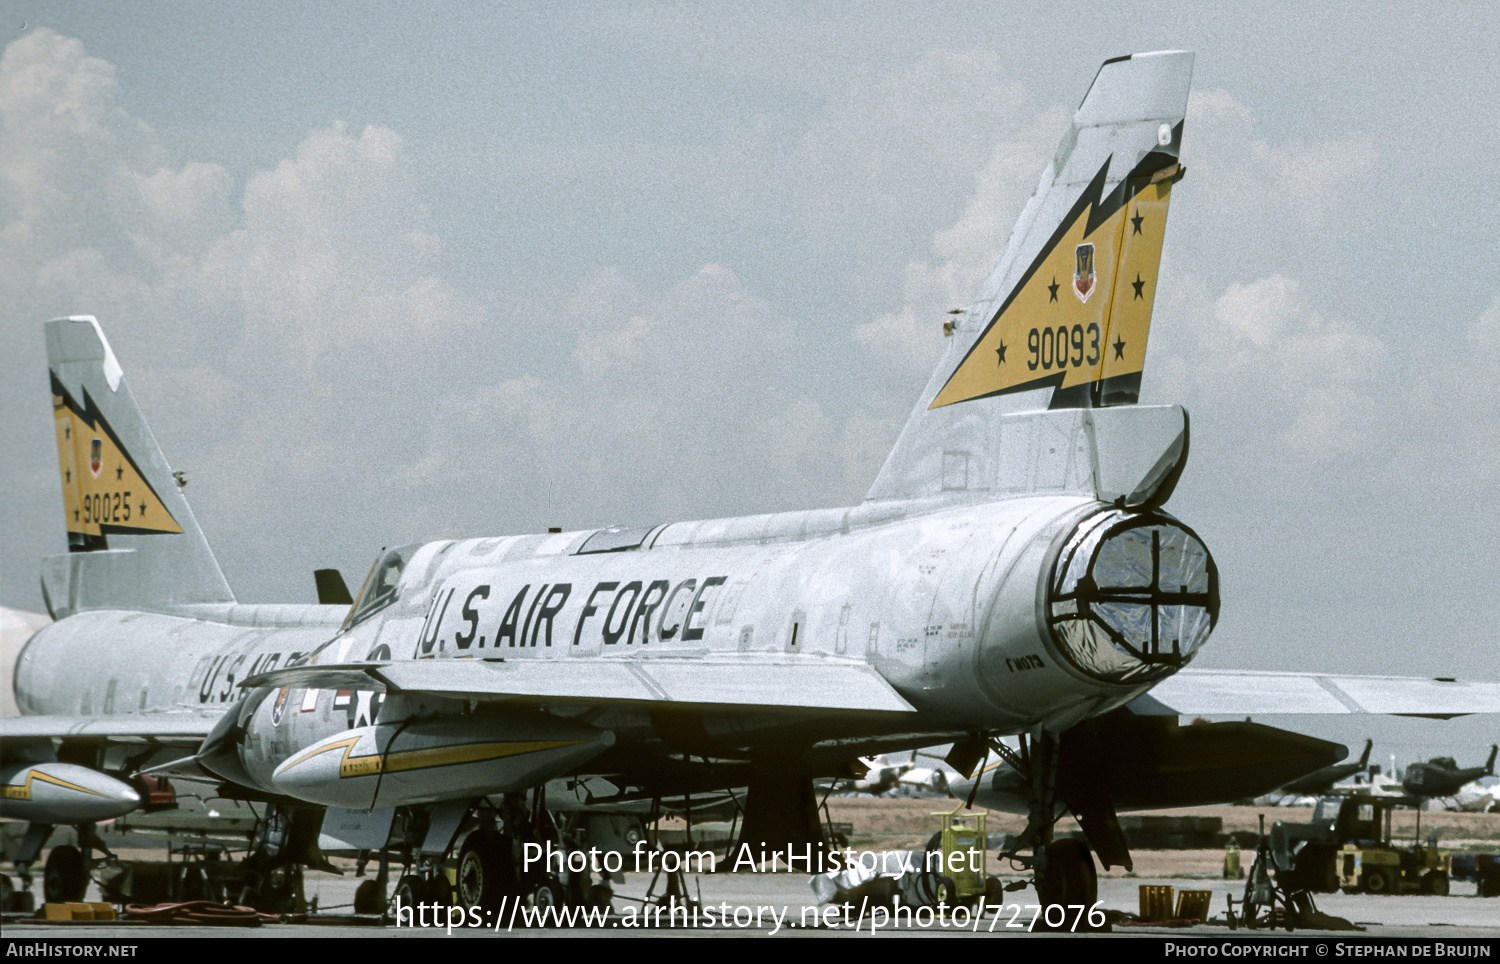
(1063, 319)
(133, 542)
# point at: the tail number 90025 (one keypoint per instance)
(1063, 347)
(104, 507)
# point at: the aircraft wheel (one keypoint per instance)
(367, 898)
(1252, 911)
(1376, 882)
(486, 872)
(547, 893)
(1437, 884)
(410, 891)
(1071, 877)
(65, 878)
(7, 893)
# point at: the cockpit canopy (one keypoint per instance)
(1132, 596)
(382, 586)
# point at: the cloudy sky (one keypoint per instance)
(383, 273)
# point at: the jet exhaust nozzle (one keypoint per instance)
(1131, 596)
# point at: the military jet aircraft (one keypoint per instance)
(1441, 776)
(1012, 570)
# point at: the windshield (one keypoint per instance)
(382, 585)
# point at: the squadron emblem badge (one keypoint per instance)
(1084, 277)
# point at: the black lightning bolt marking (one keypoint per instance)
(1099, 207)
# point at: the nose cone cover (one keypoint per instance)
(1132, 596)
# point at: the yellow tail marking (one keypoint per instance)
(1061, 329)
(1129, 321)
(103, 491)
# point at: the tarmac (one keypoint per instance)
(782, 904)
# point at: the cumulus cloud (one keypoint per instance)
(319, 373)
(234, 291)
(677, 407)
(1261, 353)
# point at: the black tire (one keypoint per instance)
(486, 872)
(367, 898)
(410, 891)
(548, 892)
(1071, 877)
(439, 891)
(1437, 884)
(1251, 912)
(65, 878)
(1376, 882)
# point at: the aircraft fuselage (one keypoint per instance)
(949, 607)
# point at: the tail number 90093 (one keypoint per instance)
(1063, 347)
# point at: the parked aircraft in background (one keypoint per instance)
(881, 776)
(1480, 796)
(1441, 776)
(1012, 571)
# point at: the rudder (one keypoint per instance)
(133, 541)
(1063, 319)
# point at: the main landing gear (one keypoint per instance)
(1063, 871)
(487, 872)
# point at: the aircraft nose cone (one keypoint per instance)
(321, 773)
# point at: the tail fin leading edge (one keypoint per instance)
(132, 539)
(1063, 319)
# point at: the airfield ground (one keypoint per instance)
(889, 824)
